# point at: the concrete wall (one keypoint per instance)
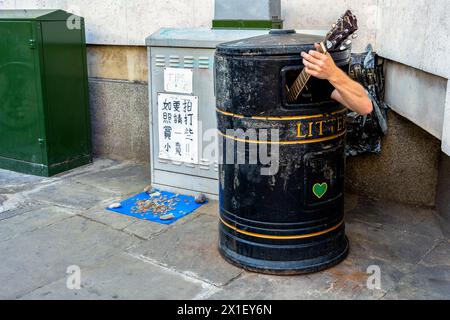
(405, 171)
(415, 34)
(321, 14)
(118, 62)
(417, 95)
(129, 22)
(118, 93)
(126, 22)
(119, 111)
(446, 124)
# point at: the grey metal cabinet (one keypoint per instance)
(186, 49)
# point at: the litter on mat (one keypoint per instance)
(158, 206)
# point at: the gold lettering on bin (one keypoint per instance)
(318, 128)
(299, 131)
(310, 134)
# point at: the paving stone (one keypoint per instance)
(191, 247)
(319, 286)
(97, 165)
(124, 277)
(12, 180)
(401, 217)
(20, 224)
(210, 208)
(424, 283)
(115, 220)
(439, 256)
(347, 280)
(16, 201)
(146, 229)
(3, 198)
(42, 256)
(429, 280)
(350, 277)
(16, 212)
(252, 286)
(382, 242)
(72, 194)
(124, 179)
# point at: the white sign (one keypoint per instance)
(178, 80)
(178, 127)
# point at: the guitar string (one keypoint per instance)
(298, 86)
(295, 88)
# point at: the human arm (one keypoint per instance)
(347, 92)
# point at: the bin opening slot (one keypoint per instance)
(313, 93)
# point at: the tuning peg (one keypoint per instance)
(355, 35)
(333, 26)
(346, 45)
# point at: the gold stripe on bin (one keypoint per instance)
(316, 140)
(294, 237)
(230, 114)
(278, 118)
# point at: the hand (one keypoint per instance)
(319, 65)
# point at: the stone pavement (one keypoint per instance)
(49, 224)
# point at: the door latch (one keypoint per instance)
(32, 43)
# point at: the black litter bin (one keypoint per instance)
(290, 221)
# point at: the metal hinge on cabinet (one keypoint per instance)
(32, 43)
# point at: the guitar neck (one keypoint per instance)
(299, 84)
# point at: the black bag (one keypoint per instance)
(365, 132)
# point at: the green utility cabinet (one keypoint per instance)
(44, 109)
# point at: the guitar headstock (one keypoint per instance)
(345, 26)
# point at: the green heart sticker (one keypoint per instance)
(320, 189)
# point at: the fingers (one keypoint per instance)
(311, 66)
(311, 72)
(310, 58)
(315, 63)
(317, 46)
(317, 55)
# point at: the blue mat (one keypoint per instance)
(181, 206)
